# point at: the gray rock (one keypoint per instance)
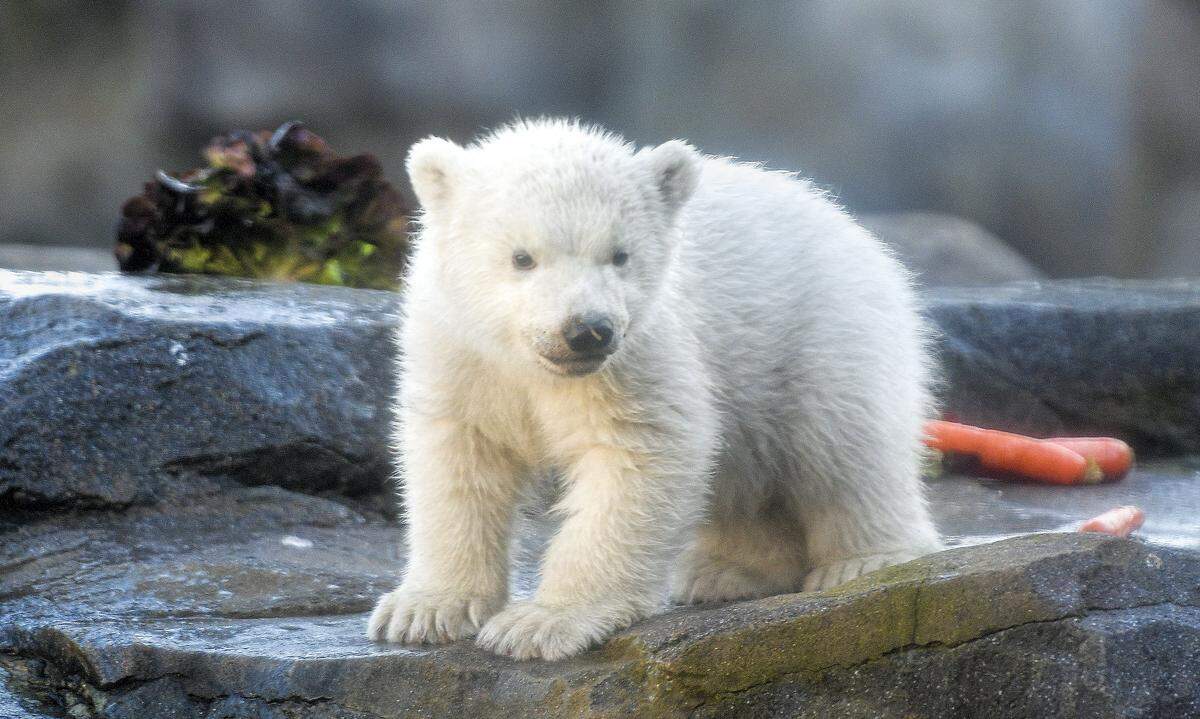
(125, 390)
(1133, 662)
(19, 696)
(1093, 356)
(1030, 616)
(943, 250)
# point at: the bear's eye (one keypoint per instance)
(620, 257)
(522, 260)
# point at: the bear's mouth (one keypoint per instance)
(575, 365)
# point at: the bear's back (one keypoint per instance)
(782, 286)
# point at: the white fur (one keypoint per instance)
(756, 432)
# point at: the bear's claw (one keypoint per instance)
(722, 582)
(831, 574)
(422, 617)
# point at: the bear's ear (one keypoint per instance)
(676, 170)
(433, 167)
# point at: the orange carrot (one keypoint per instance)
(1112, 456)
(1013, 453)
(1118, 522)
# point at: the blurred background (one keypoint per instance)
(1068, 128)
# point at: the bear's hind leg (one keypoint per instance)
(861, 506)
(741, 558)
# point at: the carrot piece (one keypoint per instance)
(1118, 522)
(1112, 456)
(1013, 453)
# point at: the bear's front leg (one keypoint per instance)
(459, 493)
(607, 566)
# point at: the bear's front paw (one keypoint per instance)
(831, 574)
(528, 630)
(426, 617)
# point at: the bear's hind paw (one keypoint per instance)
(721, 582)
(831, 574)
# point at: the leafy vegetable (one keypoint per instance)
(279, 206)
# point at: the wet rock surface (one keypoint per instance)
(210, 625)
(204, 538)
(974, 511)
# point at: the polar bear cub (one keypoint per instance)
(727, 375)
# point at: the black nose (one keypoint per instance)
(588, 333)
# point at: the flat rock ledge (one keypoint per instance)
(1042, 625)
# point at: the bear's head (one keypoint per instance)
(549, 240)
